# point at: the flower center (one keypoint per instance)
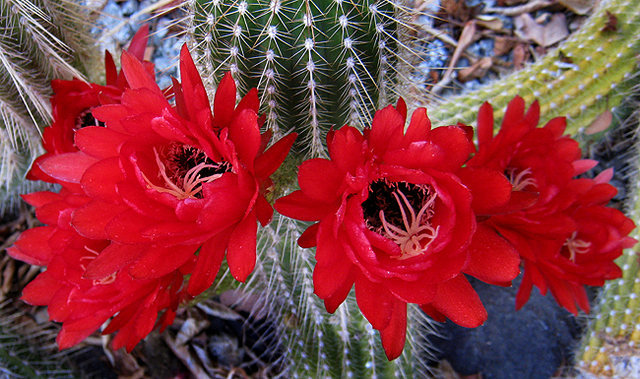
(402, 212)
(576, 246)
(520, 179)
(183, 169)
(86, 119)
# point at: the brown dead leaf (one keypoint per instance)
(600, 124)
(459, 9)
(581, 7)
(612, 23)
(476, 70)
(435, 76)
(490, 22)
(502, 45)
(520, 55)
(544, 35)
(502, 3)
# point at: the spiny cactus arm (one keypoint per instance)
(588, 74)
(316, 64)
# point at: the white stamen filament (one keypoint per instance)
(520, 181)
(191, 183)
(410, 238)
(575, 245)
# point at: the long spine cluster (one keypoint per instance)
(32, 52)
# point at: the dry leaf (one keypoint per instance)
(502, 45)
(476, 70)
(581, 7)
(520, 55)
(459, 10)
(544, 35)
(601, 123)
(490, 22)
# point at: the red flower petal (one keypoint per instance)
(245, 135)
(374, 301)
(158, 261)
(127, 227)
(490, 189)
(264, 211)
(308, 237)
(241, 253)
(394, 335)
(297, 205)
(91, 220)
(67, 167)
(209, 261)
(111, 259)
(333, 302)
(485, 125)
(136, 75)
(387, 130)
(319, 180)
(40, 291)
(98, 141)
(100, 180)
(457, 300)
(225, 101)
(493, 259)
(32, 246)
(193, 88)
(267, 163)
(419, 127)
(454, 143)
(346, 148)
(138, 43)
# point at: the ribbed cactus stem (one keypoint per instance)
(586, 75)
(316, 64)
(317, 344)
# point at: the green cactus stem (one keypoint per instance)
(587, 74)
(316, 64)
(314, 343)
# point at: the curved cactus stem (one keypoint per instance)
(586, 75)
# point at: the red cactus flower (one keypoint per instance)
(396, 218)
(561, 227)
(157, 193)
(74, 100)
(82, 304)
(172, 177)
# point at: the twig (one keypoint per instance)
(520, 9)
(466, 37)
